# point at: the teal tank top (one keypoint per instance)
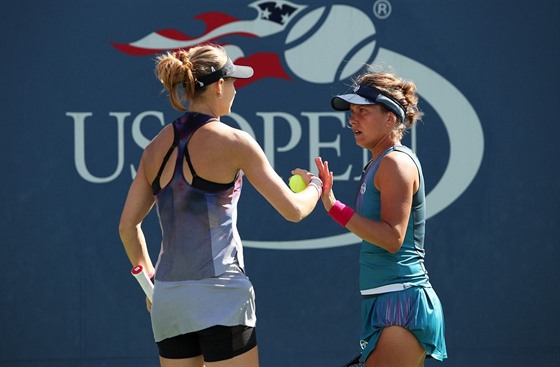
(379, 267)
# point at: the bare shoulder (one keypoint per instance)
(232, 134)
(156, 149)
(162, 140)
(243, 151)
(396, 158)
(398, 167)
(230, 138)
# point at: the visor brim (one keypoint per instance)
(241, 72)
(343, 102)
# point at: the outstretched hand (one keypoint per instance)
(326, 176)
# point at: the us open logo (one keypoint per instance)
(305, 30)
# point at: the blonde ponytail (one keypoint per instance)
(177, 71)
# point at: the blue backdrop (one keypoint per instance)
(80, 102)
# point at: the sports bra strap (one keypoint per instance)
(156, 187)
(188, 159)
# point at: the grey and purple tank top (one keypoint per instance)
(198, 220)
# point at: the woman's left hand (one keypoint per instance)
(326, 176)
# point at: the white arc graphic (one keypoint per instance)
(466, 141)
(466, 137)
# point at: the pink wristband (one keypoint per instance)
(341, 213)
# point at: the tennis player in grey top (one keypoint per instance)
(203, 305)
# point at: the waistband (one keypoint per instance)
(386, 289)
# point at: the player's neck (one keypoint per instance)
(204, 109)
(383, 144)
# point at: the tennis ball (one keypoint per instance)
(297, 183)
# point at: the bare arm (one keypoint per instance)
(397, 180)
(138, 204)
(292, 206)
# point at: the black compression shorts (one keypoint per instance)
(216, 343)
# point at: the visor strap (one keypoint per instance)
(393, 106)
(214, 76)
(376, 96)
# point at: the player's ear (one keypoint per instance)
(391, 119)
(219, 88)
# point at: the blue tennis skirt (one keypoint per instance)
(416, 309)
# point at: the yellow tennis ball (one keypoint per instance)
(297, 183)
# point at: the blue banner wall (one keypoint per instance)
(79, 102)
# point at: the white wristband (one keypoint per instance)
(317, 184)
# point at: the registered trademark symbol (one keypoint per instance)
(382, 9)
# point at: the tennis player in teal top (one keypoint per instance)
(402, 318)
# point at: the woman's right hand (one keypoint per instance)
(305, 174)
